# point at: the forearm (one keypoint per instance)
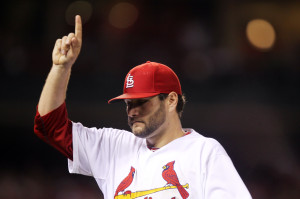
(64, 55)
(55, 88)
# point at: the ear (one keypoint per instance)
(172, 101)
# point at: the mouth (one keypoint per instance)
(135, 122)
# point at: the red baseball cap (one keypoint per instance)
(147, 80)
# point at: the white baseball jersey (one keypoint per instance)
(192, 166)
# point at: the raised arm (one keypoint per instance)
(64, 55)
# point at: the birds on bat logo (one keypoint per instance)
(126, 182)
(168, 174)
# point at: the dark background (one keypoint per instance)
(245, 97)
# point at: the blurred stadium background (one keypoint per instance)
(238, 62)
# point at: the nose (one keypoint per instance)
(132, 111)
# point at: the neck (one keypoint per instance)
(168, 132)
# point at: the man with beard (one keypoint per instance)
(158, 159)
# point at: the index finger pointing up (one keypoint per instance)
(78, 27)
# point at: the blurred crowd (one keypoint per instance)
(39, 184)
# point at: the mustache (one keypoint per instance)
(131, 121)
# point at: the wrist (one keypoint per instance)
(61, 68)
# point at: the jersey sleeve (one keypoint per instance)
(55, 129)
(222, 179)
(97, 151)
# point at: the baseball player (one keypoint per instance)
(157, 160)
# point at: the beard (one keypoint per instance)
(155, 121)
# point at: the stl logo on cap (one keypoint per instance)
(129, 81)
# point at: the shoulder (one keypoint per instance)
(79, 127)
(102, 133)
(205, 144)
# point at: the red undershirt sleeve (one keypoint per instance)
(55, 128)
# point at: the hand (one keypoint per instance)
(66, 50)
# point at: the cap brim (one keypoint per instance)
(132, 96)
